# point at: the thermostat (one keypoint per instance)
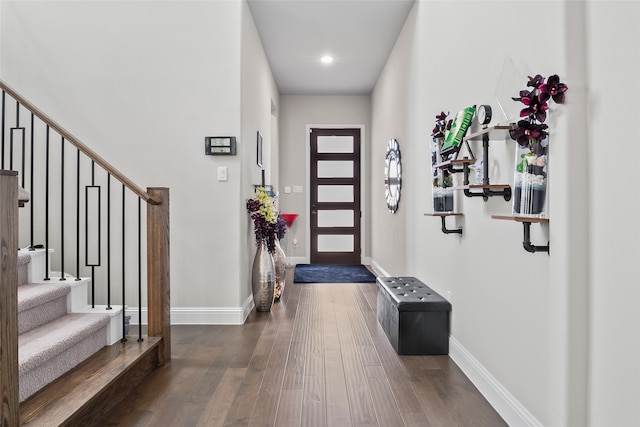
(220, 145)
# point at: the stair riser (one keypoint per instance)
(36, 271)
(38, 316)
(35, 379)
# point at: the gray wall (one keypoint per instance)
(296, 112)
(143, 83)
(549, 339)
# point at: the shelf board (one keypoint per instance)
(454, 162)
(480, 187)
(486, 130)
(521, 218)
(444, 214)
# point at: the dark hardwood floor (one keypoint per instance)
(319, 358)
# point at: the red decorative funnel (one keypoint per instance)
(289, 218)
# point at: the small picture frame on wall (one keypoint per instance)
(259, 151)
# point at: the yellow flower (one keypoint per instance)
(266, 206)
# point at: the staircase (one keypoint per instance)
(65, 361)
(57, 328)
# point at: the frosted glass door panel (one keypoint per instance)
(335, 243)
(335, 218)
(335, 144)
(335, 193)
(335, 169)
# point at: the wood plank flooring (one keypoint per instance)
(319, 358)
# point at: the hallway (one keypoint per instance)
(318, 359)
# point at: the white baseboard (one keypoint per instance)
(293, 260)
(201, 315)
(509, 408)
(378, 269)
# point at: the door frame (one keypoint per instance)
(364, 188)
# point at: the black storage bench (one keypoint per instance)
(414, 317)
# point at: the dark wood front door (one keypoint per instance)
(335, 196)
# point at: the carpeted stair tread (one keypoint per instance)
(42, 344)
(23, 267)
(39, 304)
(35, 294)
(23, 258)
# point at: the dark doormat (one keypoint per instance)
(335, 273)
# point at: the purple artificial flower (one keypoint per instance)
(441, 125)
(281, 227)
(535, 81)
(265, 231)
(530, 132)
(535, 109)
(527, 134)
(553, 89)
(442, 116)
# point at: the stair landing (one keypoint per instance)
(88, 392)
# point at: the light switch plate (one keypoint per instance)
(287, 189)
(297, 188)
(222, 173)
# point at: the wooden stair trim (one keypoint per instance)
(88, 392)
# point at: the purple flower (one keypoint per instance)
(553, 89)
(530, 132)
(442, 125)
(281, 227)
(535, 81)
(264, 230)
(535, 109)
(442, 116)
(526, 134)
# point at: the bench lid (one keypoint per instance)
(410, 294)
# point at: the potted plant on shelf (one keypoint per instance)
(530, 176)
(442, 179)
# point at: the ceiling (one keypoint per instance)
(359, 34)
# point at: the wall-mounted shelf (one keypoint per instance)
(501, 130)
(526, 222)
(442, 216)
(451, 164)
(488, 189)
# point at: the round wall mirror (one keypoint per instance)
(393, 175)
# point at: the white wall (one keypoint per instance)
(549, 339)
(613, 38)
(259, 94)
(296, 112)
(143, 83)
(390, 119)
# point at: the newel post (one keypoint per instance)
(9, 408)
(158, 301)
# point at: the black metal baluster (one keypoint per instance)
(46, 211)
(86, 233)
(24, 141)
(78, 216)
(139, 272)
(32, 198)
(3, 127)
(109, 241)
(62, 278)
(11, 135)
(124, 335)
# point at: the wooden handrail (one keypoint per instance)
(82, 147)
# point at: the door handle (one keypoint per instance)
(314, 212)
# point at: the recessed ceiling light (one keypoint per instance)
(327, 59)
